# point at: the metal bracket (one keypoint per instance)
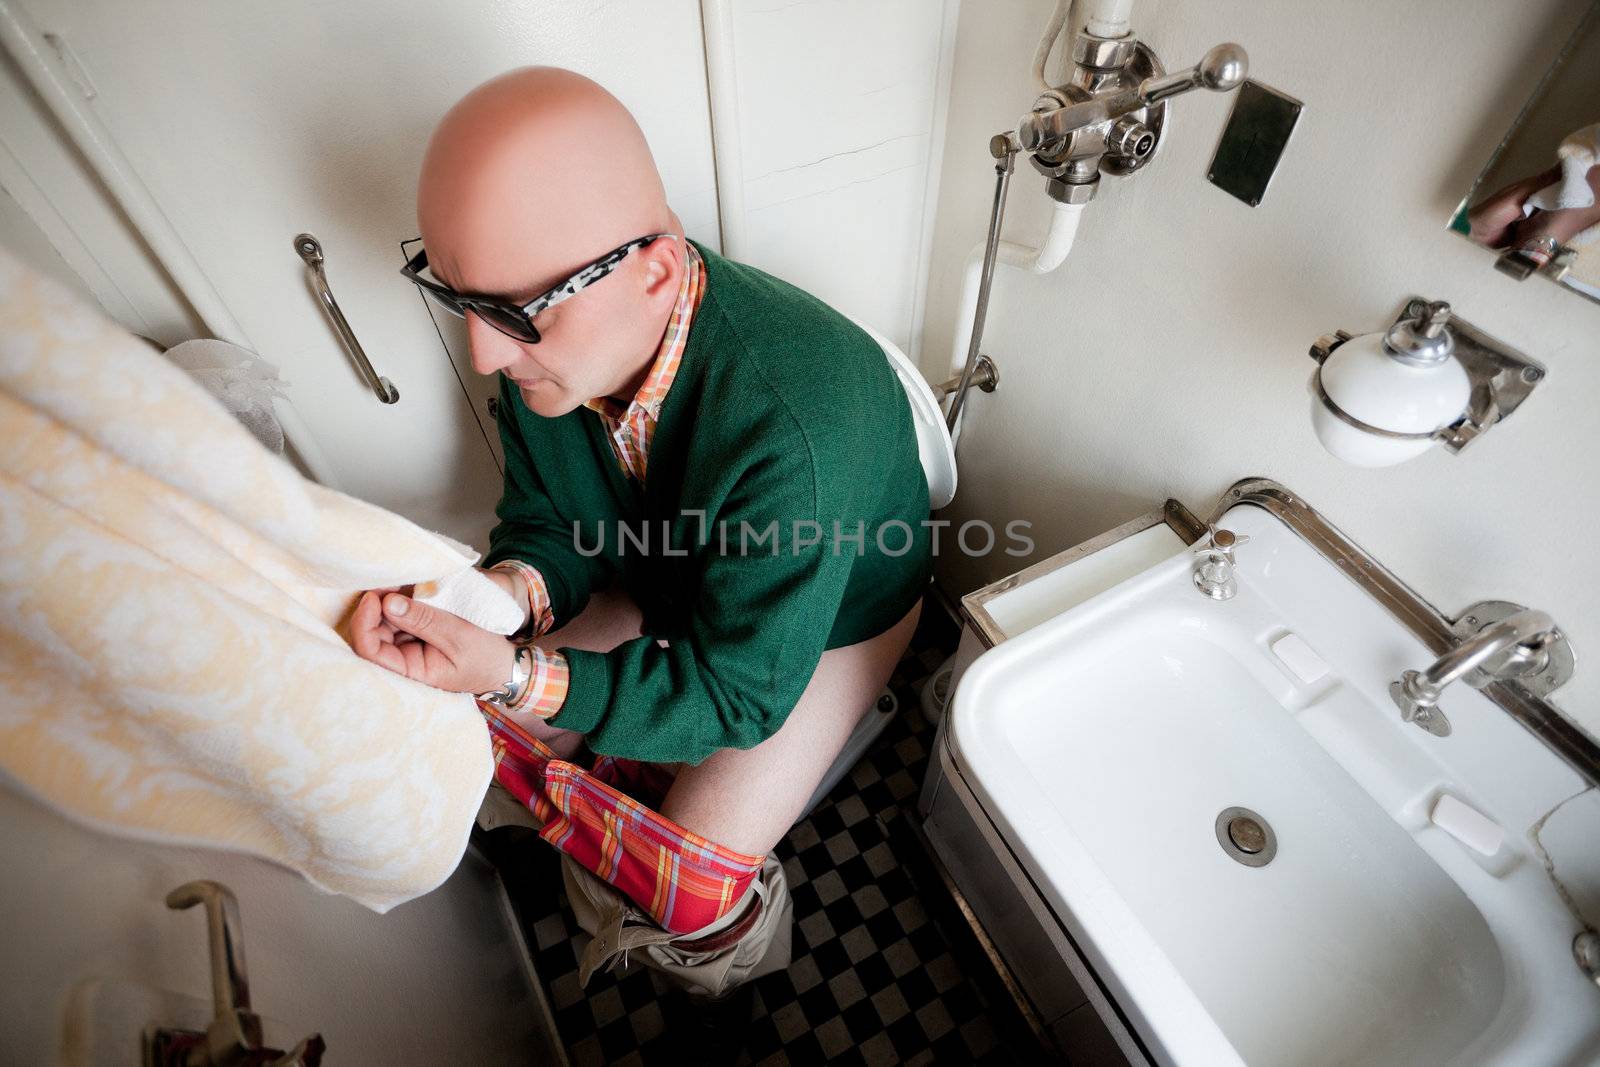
(985, 377)
(1501, 376)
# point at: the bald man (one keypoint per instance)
(713, 507)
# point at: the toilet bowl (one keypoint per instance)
(938, 455)
(934, 446)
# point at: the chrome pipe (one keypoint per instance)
(1004, 148)
(1475, 651)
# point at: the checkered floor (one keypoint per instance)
(884, 969)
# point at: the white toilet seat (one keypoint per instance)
(934, 447)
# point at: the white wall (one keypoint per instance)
(436, 980)
(1168, 356)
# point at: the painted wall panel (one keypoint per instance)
(835, 121)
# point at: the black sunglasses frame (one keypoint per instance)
(513, 319)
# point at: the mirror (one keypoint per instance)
(1536, 203)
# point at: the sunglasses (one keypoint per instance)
(510, 318)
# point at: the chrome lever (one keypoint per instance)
(1222, 69)
(310, 250)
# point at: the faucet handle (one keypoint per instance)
(1222, 540)
(1222, 69)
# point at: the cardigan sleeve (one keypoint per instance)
(759, 623)
(533, 531)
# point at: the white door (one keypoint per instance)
(250, 123)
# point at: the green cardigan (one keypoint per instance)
(782, 411)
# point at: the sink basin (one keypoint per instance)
(1105, 743)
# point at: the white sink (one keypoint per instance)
(1105, 743)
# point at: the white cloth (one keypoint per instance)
(475, 597)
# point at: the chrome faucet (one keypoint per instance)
(234, 1037)
(1214, 564)
(1499, 642)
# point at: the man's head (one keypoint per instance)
(530, 177)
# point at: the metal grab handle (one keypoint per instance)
(310, 250)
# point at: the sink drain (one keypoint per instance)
(1246, 837)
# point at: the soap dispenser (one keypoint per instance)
(1381, 398)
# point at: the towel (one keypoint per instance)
(468, 594)
(171, 666)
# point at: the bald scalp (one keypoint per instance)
(531, 175)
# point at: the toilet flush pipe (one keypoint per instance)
(1050, 254)
(978, 276)
(29, 49)
(1104, 18)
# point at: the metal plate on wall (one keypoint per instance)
(1253, 141)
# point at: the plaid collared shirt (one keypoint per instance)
(629, 428)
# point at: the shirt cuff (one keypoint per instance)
(540, 618)
(546, 690)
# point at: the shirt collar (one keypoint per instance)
(669, 356)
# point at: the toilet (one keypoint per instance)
(938, 455)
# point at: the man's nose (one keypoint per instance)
(491, 350)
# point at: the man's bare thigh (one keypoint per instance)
(746, 799)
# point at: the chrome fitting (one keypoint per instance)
(1130, 139)
(1065, 192)
(1102, 53)
(1002, 145)
(1496, 642)
(1110, 115)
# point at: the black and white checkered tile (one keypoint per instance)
(883, 970)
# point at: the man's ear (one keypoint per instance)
(663, 261)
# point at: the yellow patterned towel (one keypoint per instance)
(169, 593)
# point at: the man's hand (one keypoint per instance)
(428, 645)
(1494, 219)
